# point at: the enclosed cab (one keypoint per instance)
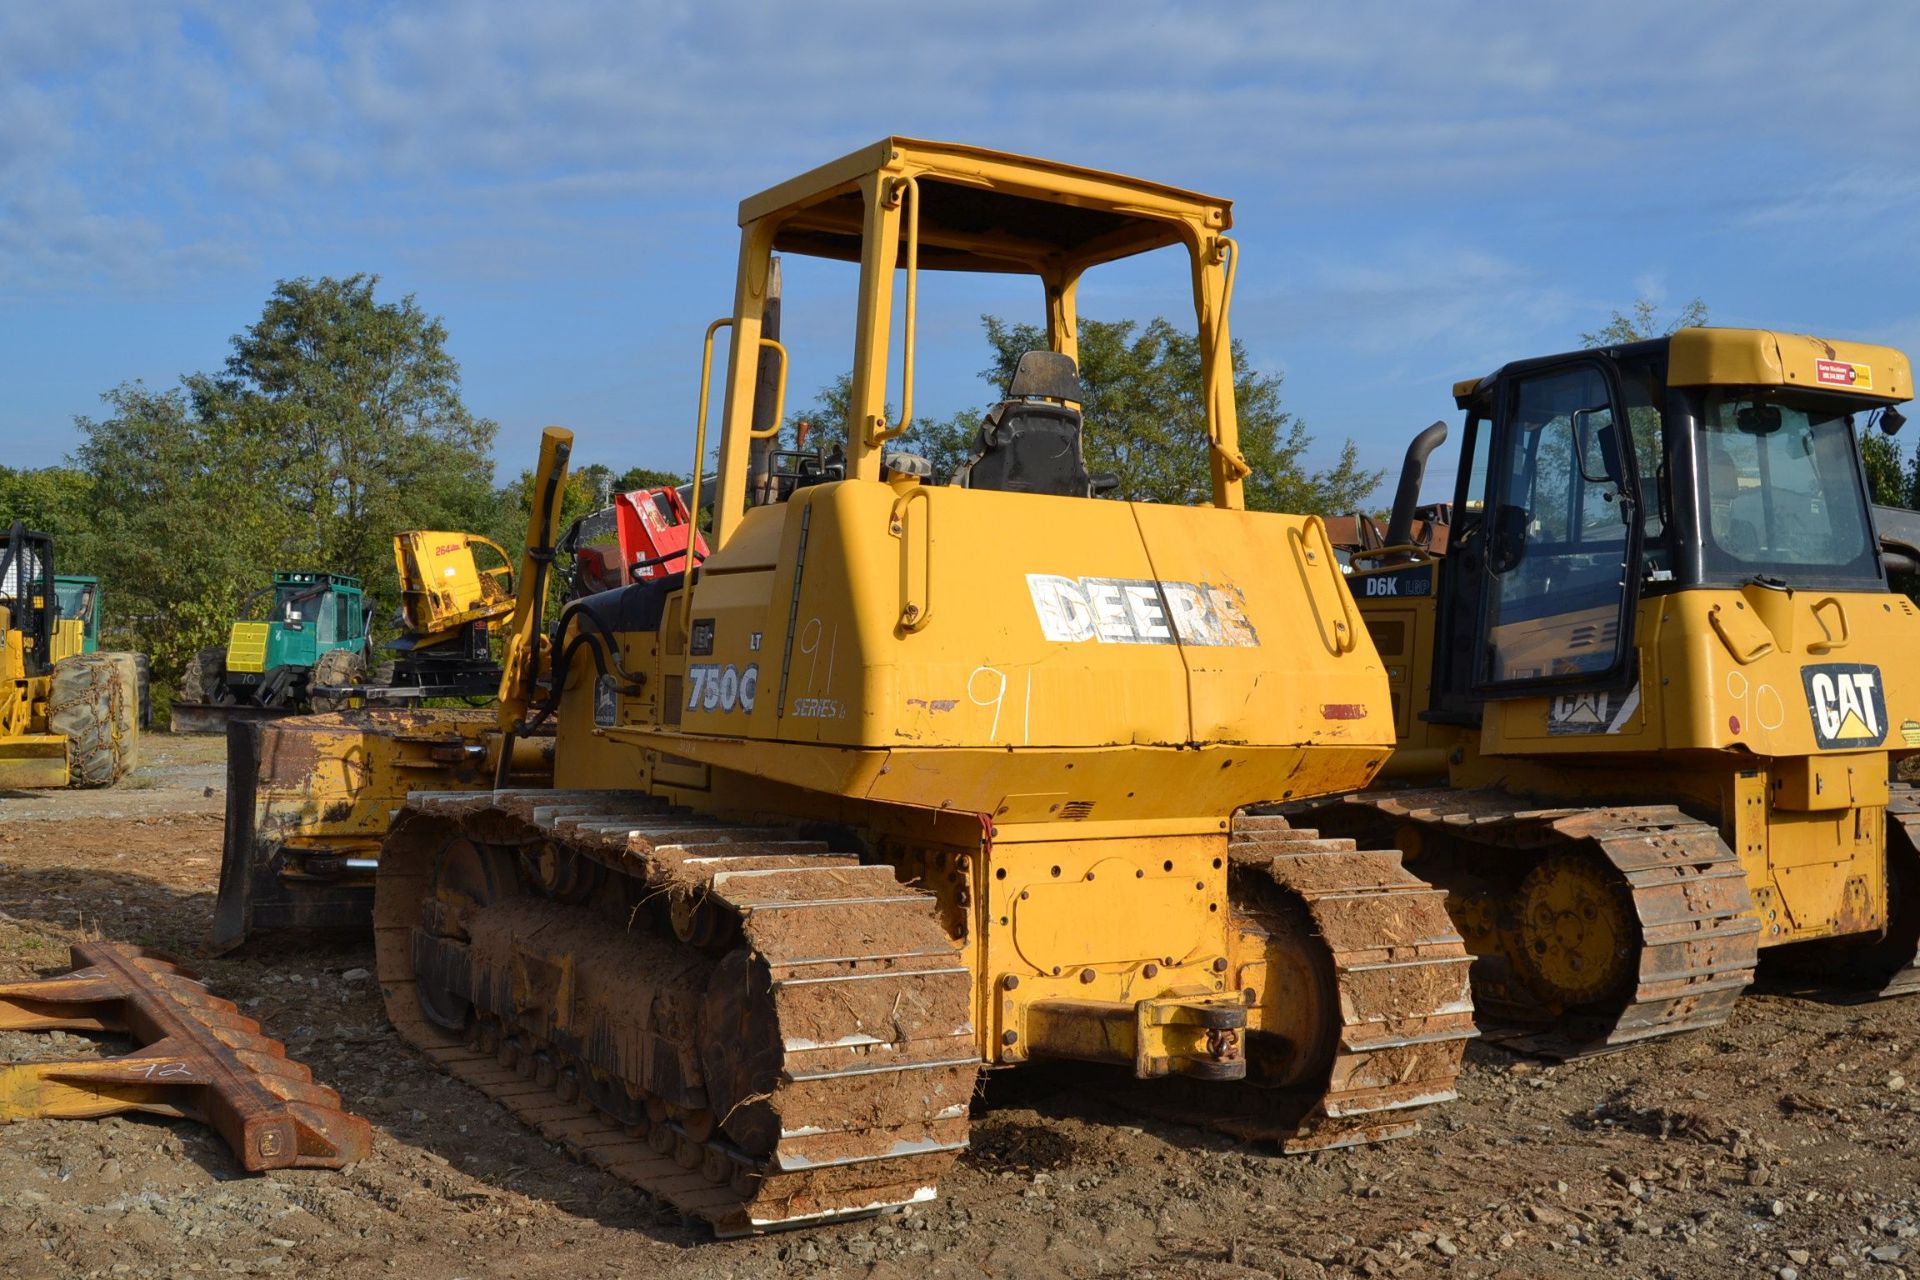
(1662, 586)
(307, 614)
(307, 631)
(79, 600)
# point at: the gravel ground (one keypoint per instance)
(1781, 1145)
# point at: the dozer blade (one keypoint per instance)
(255, 890)
(214, 717)
(30, 762)
(200, 1059)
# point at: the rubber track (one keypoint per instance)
(1688, 890)
(912, 1078)
(1401, 993)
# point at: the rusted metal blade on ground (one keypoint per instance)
(199, 1058)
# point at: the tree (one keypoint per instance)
(1644, 323)
(1145, 415)
(365, 401)
(183, 522)
(51, 500)
(336, 423)
(1887, 477)
(944, 444)
(1146, 419)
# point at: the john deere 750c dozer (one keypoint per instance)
(909, 778)
(1649, 698)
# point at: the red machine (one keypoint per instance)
(642, 537)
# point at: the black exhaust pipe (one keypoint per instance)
(1412, 472)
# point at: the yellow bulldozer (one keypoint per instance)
(68, 717)
(1648, 700)
(904, 779)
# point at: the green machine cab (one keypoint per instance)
(79, 599)
(308, 629)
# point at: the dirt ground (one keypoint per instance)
(1782, 1145)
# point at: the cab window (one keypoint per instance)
(1782, 491)
(1558, 544)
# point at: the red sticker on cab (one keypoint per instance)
(1842, 373)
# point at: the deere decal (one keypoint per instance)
(1140, 611)
(1847, 703)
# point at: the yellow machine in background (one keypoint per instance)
(310, 798)
(905, 778)
(1658, 679)
(67, 717)
(444, 590)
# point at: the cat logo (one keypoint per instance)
(1595, 711)
(1847, 704)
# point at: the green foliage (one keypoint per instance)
(1145, 416)
(336, 423)
(178, 530)
(50, 500)
(1146, 419)
(364, 402)
(1888, 477)
(1643, 323)
(945, 444)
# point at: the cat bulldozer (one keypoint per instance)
(905, 780)
(69, 715)
(1647, 690)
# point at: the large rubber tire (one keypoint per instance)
(87, 707)
(336, 667)
(127, 711)
(205, 679)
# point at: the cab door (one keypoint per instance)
(1561, 536)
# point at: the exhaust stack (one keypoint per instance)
(1412, 472)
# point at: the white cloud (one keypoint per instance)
(460, 110)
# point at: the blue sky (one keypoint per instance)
(1422, 191)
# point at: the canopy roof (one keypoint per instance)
(987, 210)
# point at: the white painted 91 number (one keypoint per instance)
(717, 687)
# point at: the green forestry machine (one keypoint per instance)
(307, 632)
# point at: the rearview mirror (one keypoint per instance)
(1593, 436)
(1507, 543)
(1758, 419)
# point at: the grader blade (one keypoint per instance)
(200, 1060)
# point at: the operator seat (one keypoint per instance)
(1030, 441)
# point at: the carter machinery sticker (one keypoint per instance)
(1140, 611)
(1843, 373)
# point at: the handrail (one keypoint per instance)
(1236, 461)
(1421, 555)
(1832, 642)
(700, 427)
(901, 189)
(779, 398)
